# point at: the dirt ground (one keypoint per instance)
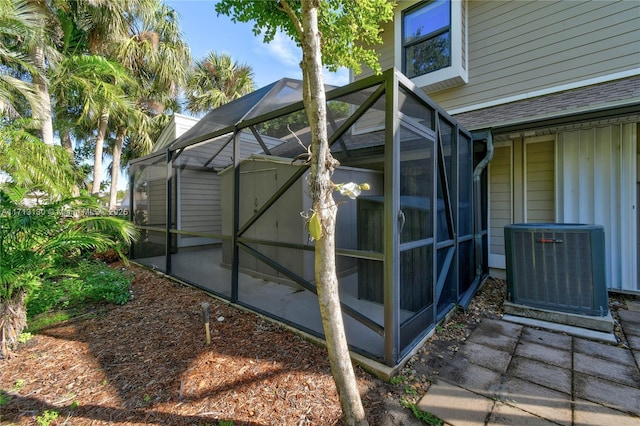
(147, 362)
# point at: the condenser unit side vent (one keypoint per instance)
(558, 267)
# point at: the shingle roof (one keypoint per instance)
(566, 102)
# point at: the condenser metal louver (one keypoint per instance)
(557, 267)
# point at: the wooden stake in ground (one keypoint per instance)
(205, 318)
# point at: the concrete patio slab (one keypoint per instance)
(602, 323)
(484, 356)
(456, 406)
(540, 373)
(630, 321)
(633, 306)
(554, 356)
(547, 338)
(472, 377)
(589, 414)
(548, 378)
(605, 369)
(608, 393)
(507, 415)
(538, 400)
(609, 352)
(634, 342)
(568, 329)
(496, 334)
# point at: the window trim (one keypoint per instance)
(455, 74)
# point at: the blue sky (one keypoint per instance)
(205, 31)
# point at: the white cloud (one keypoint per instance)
(283, 50)
(282, 59)
(338, 78)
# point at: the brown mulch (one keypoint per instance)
(147, 362)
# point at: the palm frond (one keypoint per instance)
(31, 164)
(216, 80)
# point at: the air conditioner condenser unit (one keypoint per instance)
(557, 267)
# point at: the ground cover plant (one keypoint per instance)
(85, 285)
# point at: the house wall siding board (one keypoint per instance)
(500, 198)
(540, 181)
(586, 177)
(580, 55)
(549, 24)
(200, 202)
(157, 196)
(386, 50)
(529, 46)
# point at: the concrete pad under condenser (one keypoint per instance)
(562, 328)
(597, 323)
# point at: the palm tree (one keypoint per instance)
(45, 57)
(82, 86)
(19, 21)
(157, 57)
(216, 80)
(104, 24)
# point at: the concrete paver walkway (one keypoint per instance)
(513, 374)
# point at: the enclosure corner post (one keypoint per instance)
(168, 218)
(131, 216)
(391, 245)
(235, 261)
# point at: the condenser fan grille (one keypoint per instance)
(557, 267)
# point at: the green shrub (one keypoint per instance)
(91, 282)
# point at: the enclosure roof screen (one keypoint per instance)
(276, 95)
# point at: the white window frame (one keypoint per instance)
(455, 74)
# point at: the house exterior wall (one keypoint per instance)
(591, 171)
(500, 201)
(532, 48)
(539, 180)
(178, 125)
(156, 208)
(534, 61)
(199, 201)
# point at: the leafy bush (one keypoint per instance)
(37, 243)
(92, 282)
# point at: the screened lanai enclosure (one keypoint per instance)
(224, 207)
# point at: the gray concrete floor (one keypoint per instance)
(284, 301)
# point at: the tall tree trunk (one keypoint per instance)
(65, 141)
(97, 160)
(324, 206)
(42, 113)
(13, 320)
(115, 165)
